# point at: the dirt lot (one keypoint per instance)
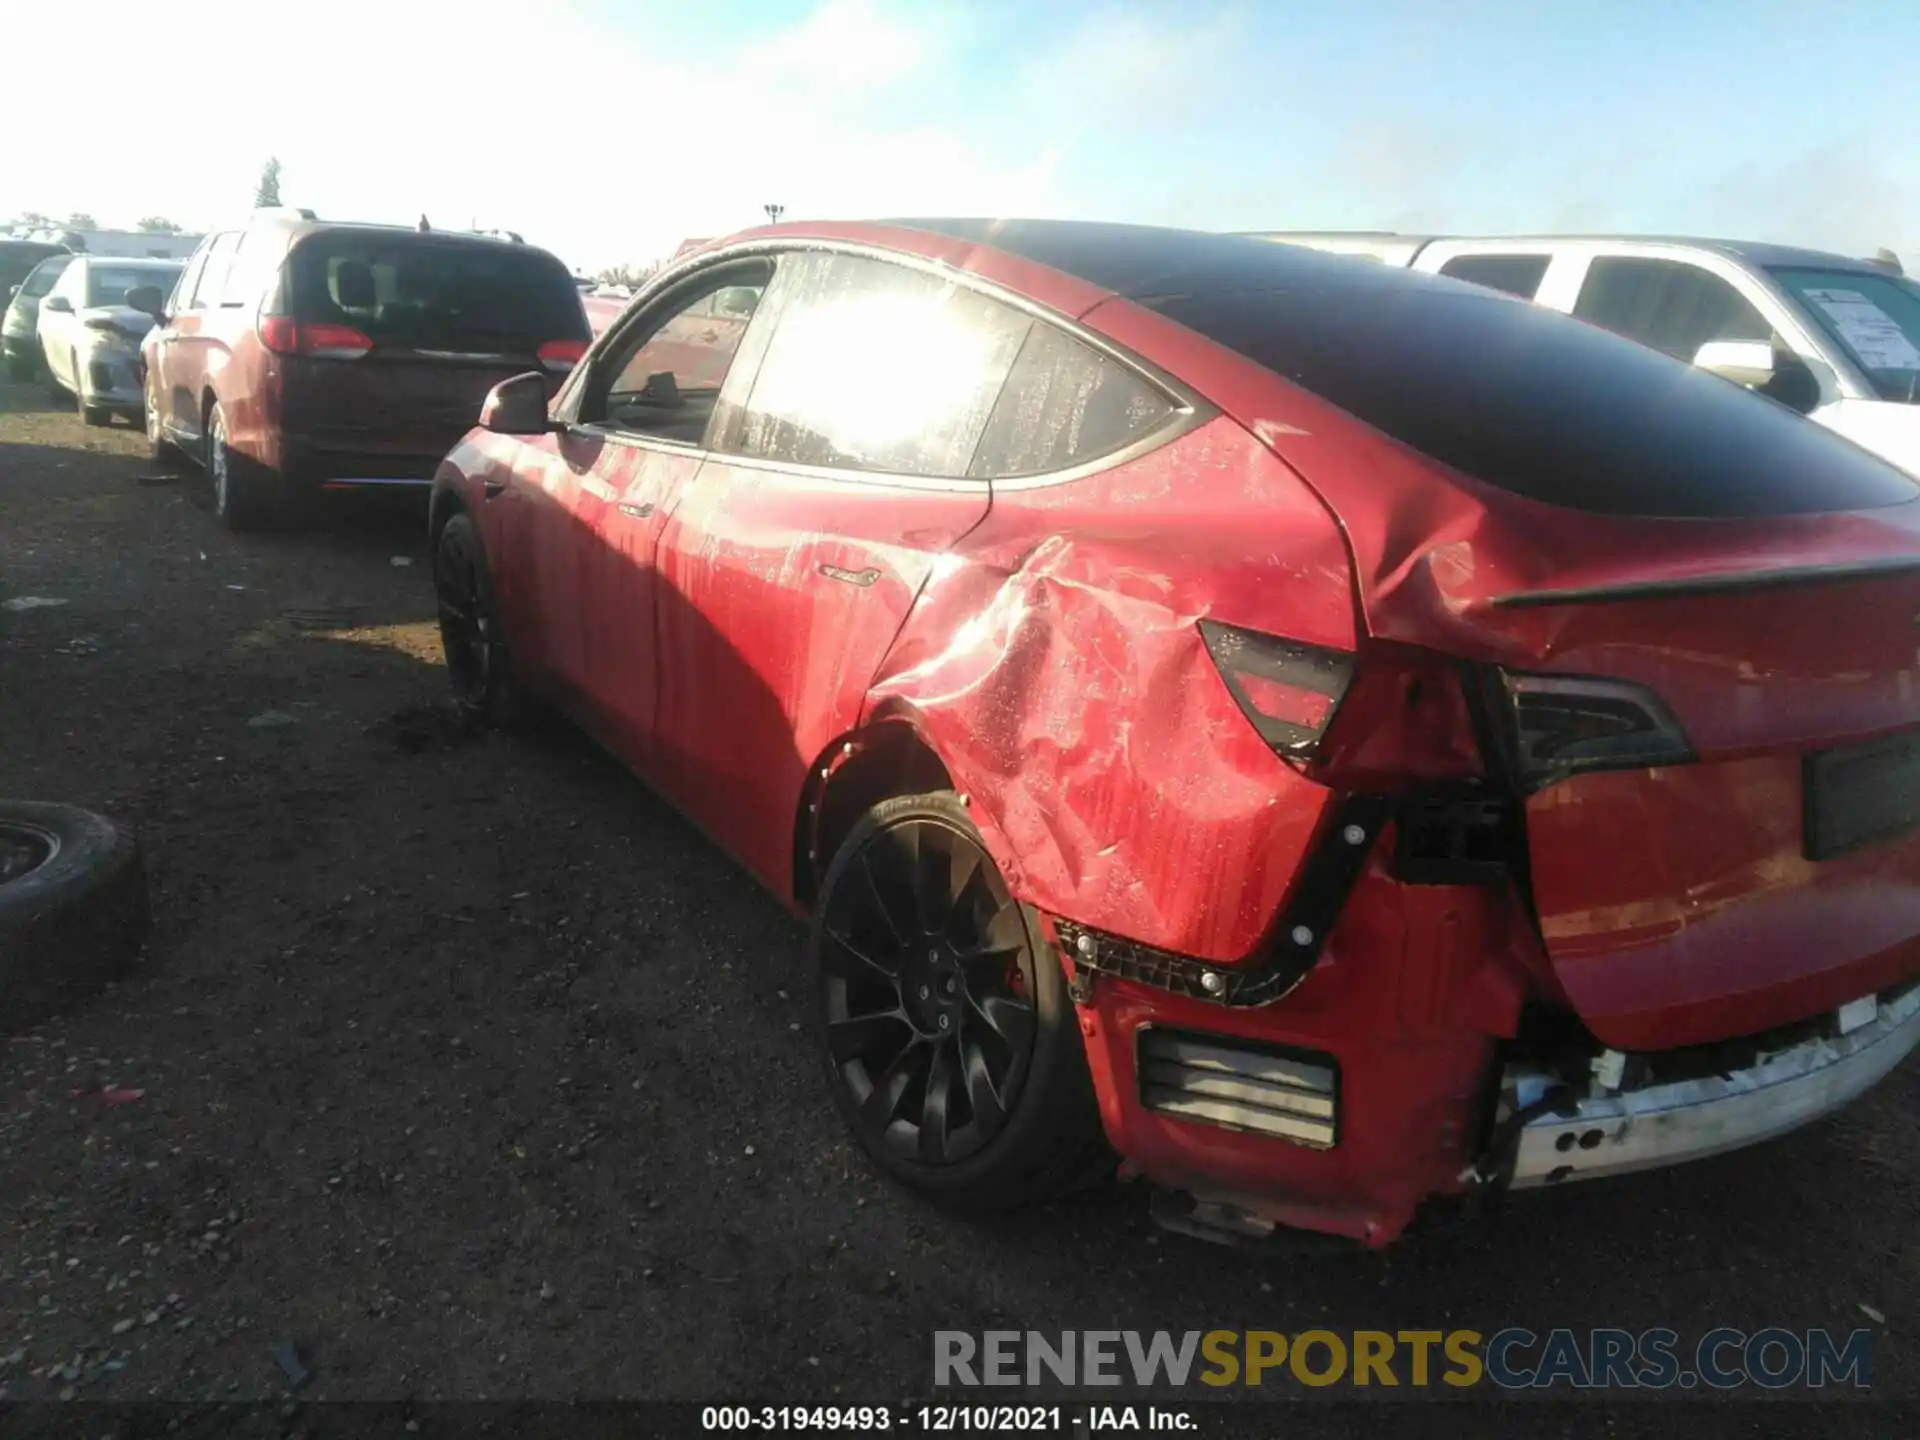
(477, 1072)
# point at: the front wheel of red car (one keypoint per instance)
(950, 1041)
(471, 635)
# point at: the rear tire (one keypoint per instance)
(237, 486)
(949, 1040)
(472, 636)
(20, 367)
(55, 390)
(73, 908)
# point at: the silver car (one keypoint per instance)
(90, 337)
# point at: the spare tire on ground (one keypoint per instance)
(73, 908)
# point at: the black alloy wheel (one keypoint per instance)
(928, 992)
(465, 615)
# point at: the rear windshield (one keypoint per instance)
(434, 295)
(108, 284)
(1875, 318)
(1534, 402)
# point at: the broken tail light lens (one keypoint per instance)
(1289, 691)
(286, 336)
(1565, 724)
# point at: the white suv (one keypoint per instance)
(1742, 310)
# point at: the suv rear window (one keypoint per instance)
(429, 294)
(1535, 403)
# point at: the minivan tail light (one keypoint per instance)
(1289, 691)
(1563, 725)
(286, 336)
(562, 354)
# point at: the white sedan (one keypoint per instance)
(90, 337)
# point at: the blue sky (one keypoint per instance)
(610, 129)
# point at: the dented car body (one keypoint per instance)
(1434, 742)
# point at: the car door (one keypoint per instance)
(837, 481)
(169, 384)
(57, 326)
(633, 439)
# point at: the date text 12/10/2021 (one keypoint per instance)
(949, 1419)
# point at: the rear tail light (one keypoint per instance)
(1393, 718)
(1563, 725)
(1288, 690)
(285, 336)
(562, 354)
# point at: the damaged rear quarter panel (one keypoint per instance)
(1056, 665)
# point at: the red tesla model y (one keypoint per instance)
(1326, 734)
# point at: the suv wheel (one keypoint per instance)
(232, 480)
(950, 1042)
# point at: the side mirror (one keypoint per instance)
(58, 304)
(148, 300)
(517, 406)
(1774, 371)
(12, 290)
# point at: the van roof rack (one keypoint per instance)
(289, 212)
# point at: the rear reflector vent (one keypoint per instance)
(1217, 1080)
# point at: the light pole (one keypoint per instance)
(774, 212)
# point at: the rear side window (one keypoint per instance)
(873, 366)
(252, 270)
(1515, 274)
(1672, 306)
(428, 294)
(1526, 400)
(1064, 404)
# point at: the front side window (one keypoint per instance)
(1666, 304)
(1064, 404)
(1514, 274)
(874, 366)
(665, 375)
(213, 275)
(1875, 319)
(183, 296)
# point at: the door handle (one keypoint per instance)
(639, 512)
(492, 488)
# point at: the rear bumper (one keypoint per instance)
(306, 464)
(1615, 1133)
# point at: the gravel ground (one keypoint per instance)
(474, 1071)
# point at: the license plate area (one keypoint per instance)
(1858, 794)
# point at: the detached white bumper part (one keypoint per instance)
(1613, 1133)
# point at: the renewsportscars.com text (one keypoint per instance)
(1509, 1359)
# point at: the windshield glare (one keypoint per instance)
(1875, 319)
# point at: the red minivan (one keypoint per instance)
(297, 354)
